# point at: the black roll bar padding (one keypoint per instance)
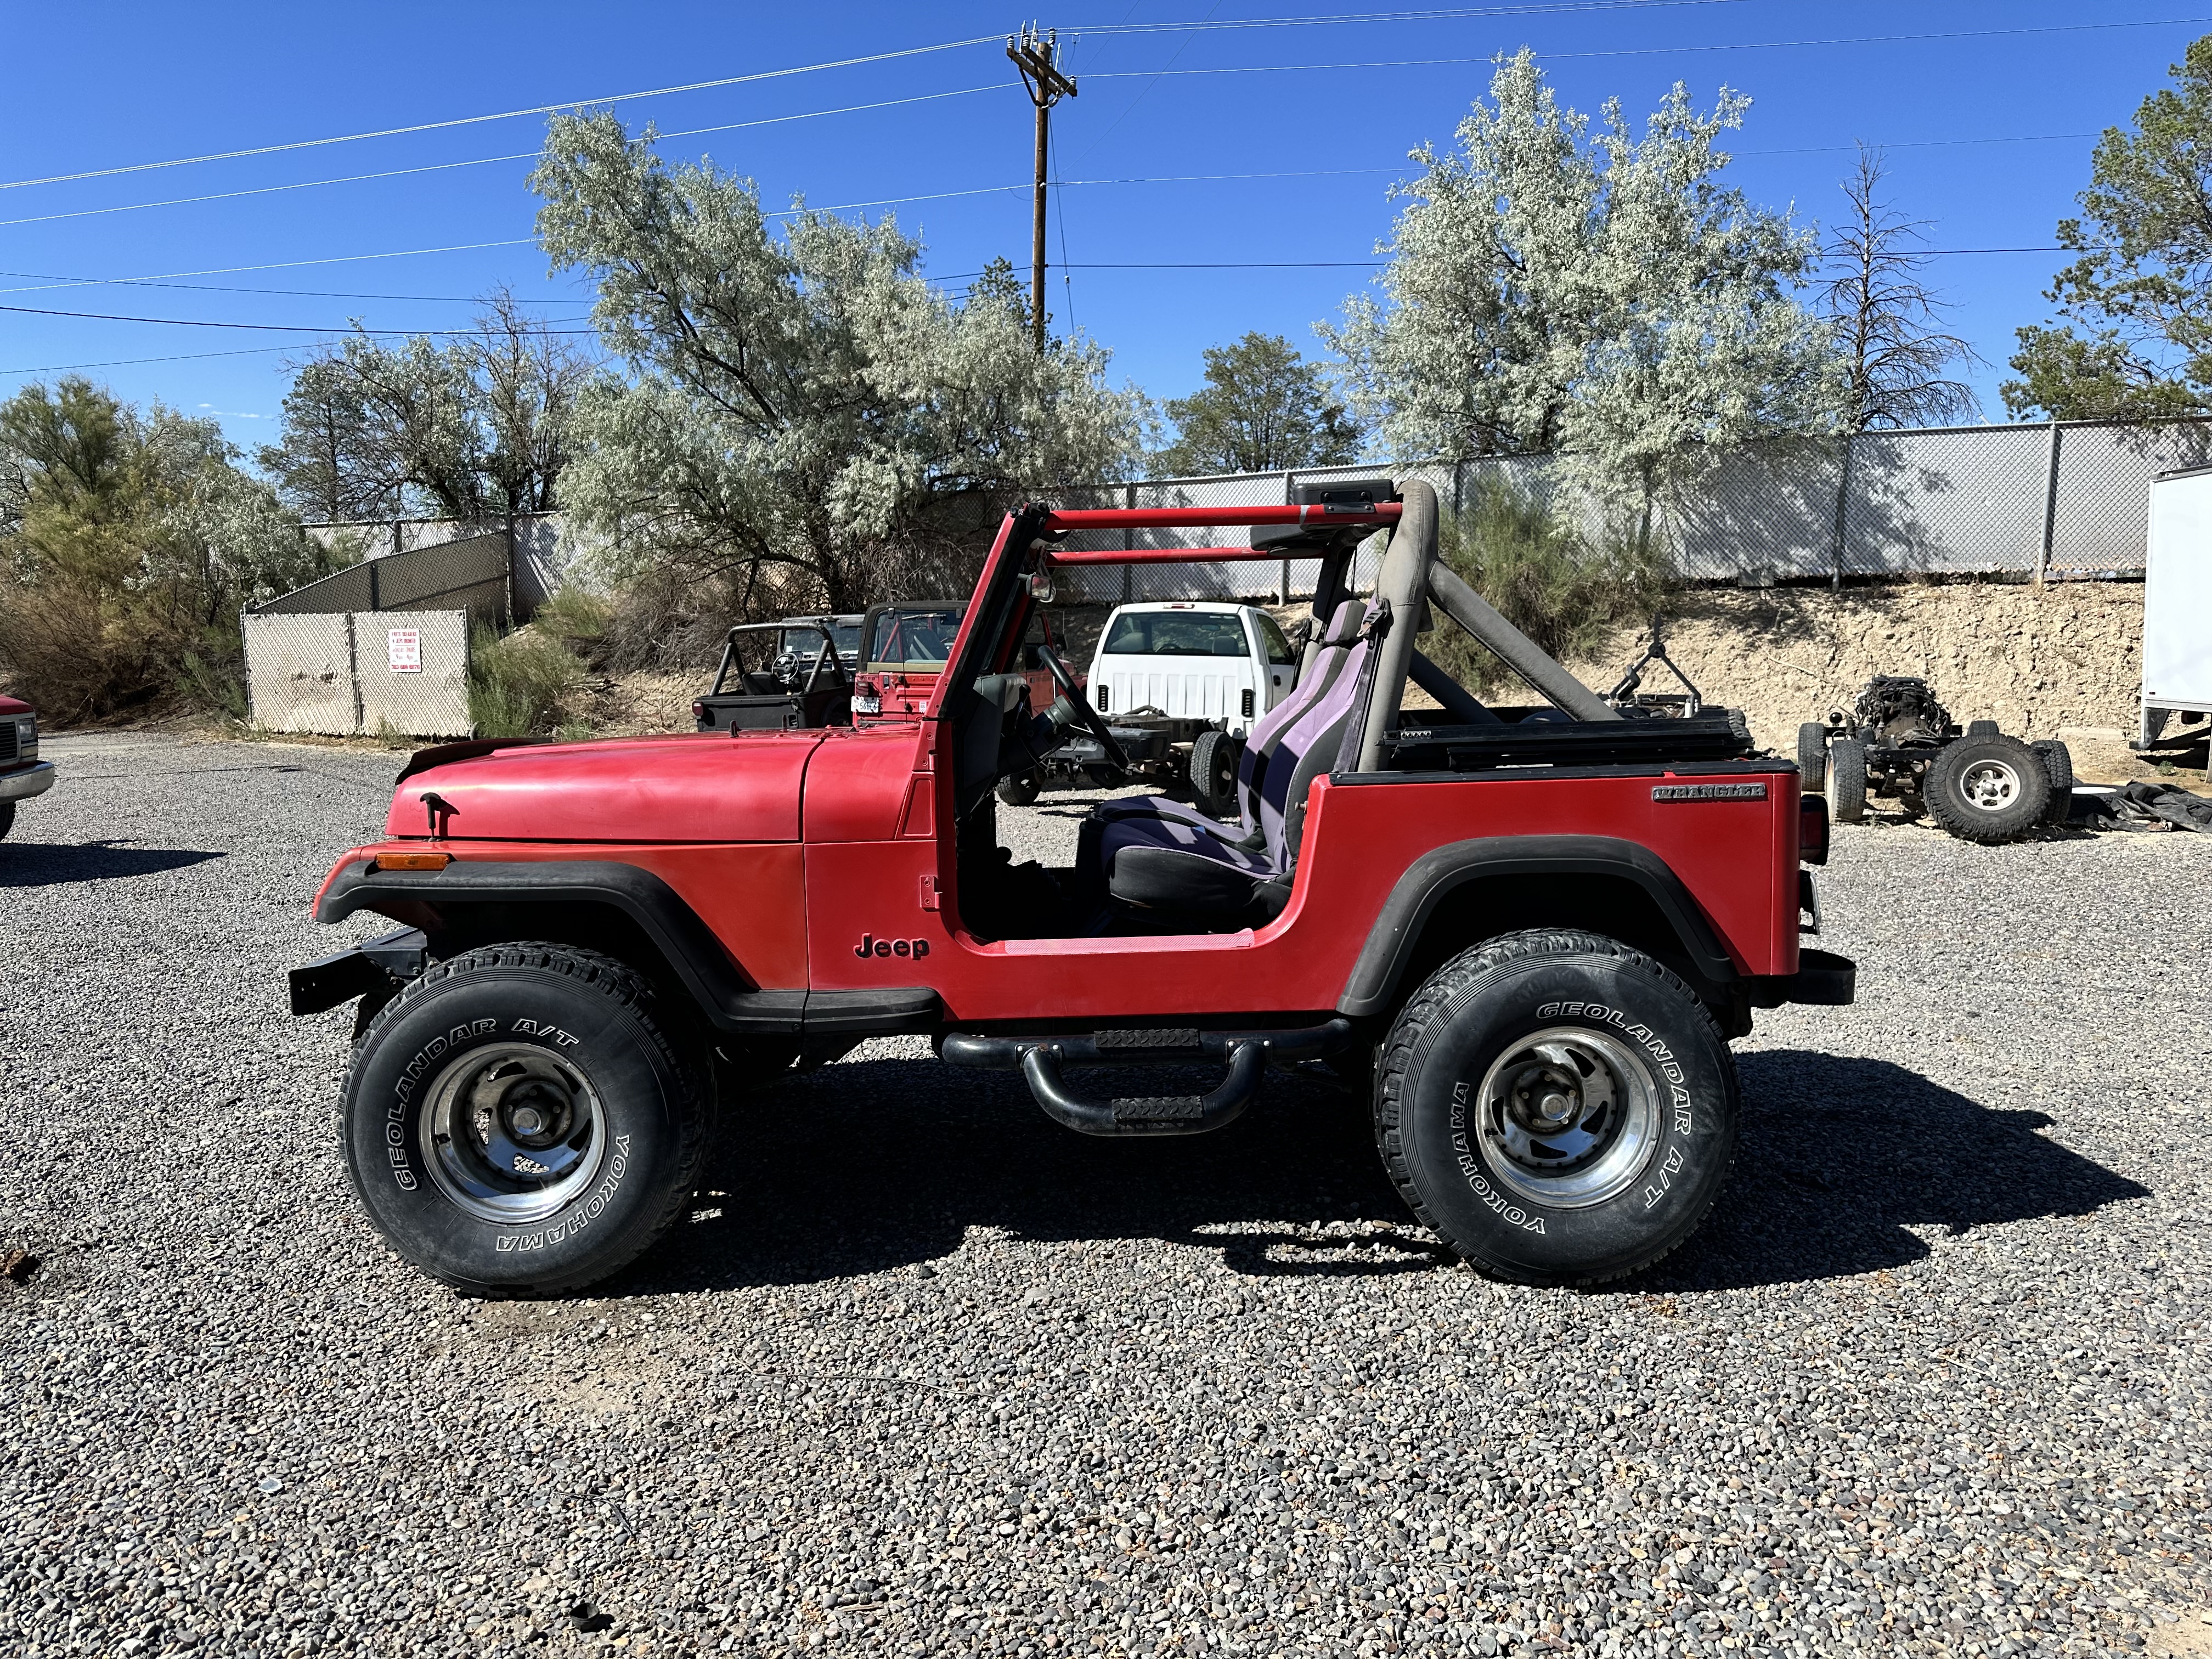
(1457, 700)
(1512, 647)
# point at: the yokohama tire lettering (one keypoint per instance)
(1511, 1213)
(579, 1216)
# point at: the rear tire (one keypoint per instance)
(1845, 785)
(1559, 1109)
(1213, 762)
(2058, 766)
(1811, 757)
(1983, 729)
(1988, 790)
(1020, 792)
(518, 1122)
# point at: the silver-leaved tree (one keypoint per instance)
(1590, 293)
(803, 416)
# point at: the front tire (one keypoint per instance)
(518, 1122)
(1988, 790)
(1020, 792)
(7, 817)
(1559, 1109)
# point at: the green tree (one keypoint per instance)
(129, 543)
(1263, 409)
(2133, 341)
(1593, 293)
(802, 408)
(476, 429)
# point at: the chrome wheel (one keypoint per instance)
(512, 1134)
(1568, 1116)
(1990, 784)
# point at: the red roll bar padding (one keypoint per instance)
(1189, 518)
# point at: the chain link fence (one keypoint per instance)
(2061, 501)
(359, 673)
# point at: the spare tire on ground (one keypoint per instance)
(1988, 789)
(2058, 766)
(1811, 757)
(1845, 785)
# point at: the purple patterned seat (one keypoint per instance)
(1165, 854)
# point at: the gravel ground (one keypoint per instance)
(928, 1375)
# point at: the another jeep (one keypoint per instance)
(1524, 934)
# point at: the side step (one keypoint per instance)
(1246, 1053)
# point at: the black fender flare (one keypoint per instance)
(1431, 877)
(725, 995)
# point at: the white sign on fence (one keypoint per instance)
(405, 647)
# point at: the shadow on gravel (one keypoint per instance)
(48, 864)
(1840, 1156)
(857, 1168)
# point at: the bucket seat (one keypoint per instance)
(1167, 855)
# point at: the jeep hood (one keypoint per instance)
(708, 787)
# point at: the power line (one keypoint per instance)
(222, 287)
(286, 264)
(272, 328)
(479, 161)
(1432, 15)
(502, 115)
(1651, 52)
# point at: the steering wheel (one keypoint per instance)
(1093, 721)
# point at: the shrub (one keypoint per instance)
(521, 684)
(1543, 577)
(129, 541)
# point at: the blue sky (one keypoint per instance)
(1988, 133)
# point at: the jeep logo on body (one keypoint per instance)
(870, 945)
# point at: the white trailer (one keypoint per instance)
(2176, 672)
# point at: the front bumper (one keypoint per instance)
(27, 780)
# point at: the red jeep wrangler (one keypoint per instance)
(1526, 933)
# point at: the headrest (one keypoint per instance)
(1344, 623)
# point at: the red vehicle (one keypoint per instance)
(22, 774)
(1526, 934)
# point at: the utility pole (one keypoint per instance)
(1035, 57)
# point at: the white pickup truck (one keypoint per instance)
(1180, 683)
(1218, 665)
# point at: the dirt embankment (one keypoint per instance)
(2038, 663)
(2065, 661)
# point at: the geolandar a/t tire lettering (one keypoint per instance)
(1559, 1109)
(518, 1122)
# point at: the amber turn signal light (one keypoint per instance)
(413, 860)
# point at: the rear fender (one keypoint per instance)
(1470, 890)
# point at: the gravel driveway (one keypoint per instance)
(928, 1374)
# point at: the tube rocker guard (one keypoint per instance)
(1247, 1054)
